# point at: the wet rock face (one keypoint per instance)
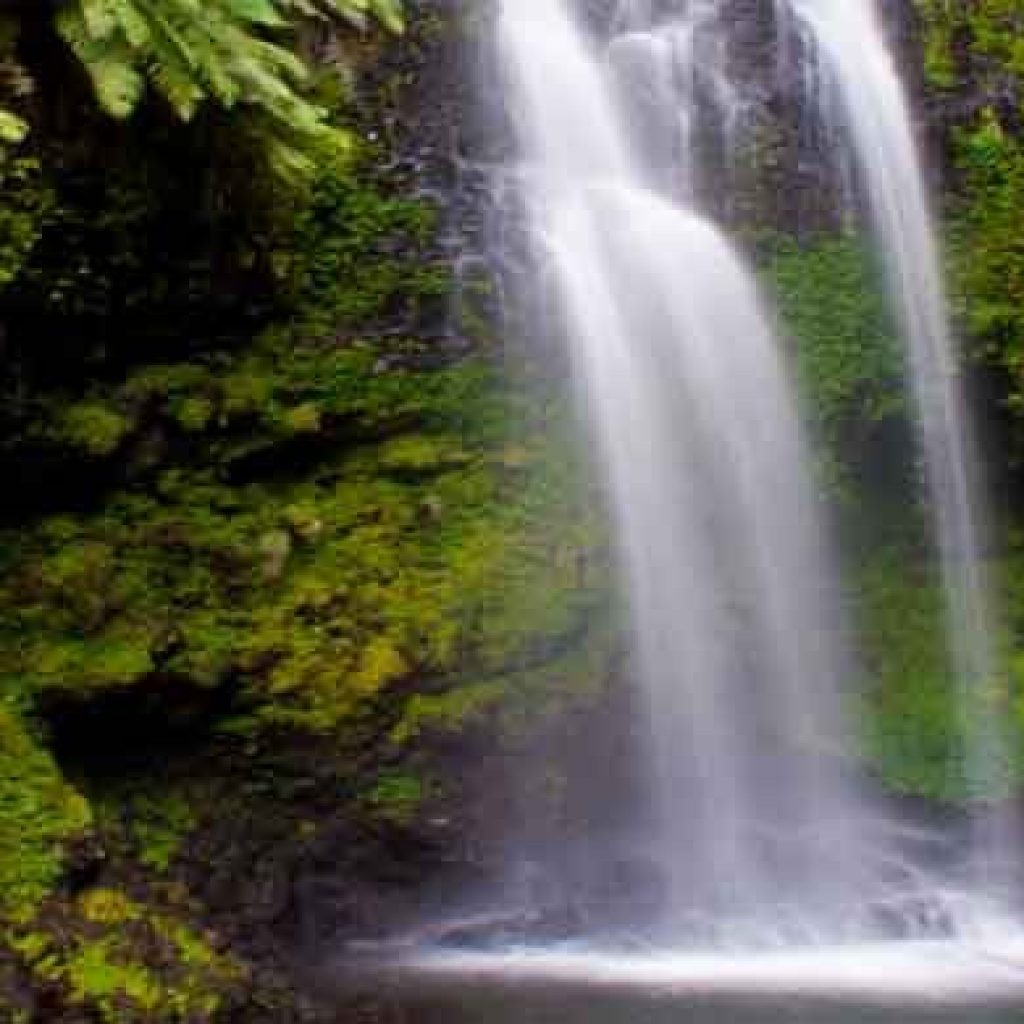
(776, 171)
(434, 106)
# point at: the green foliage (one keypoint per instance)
(159, 824)
(917, 727)
(979, 54)
(832, 301)
(120, 960)
(288, 529)
(25, 201)
(911, 709)
(460, 544)
(517, 703)
(988, 249)
(13, 126)
(976, 44)
(356, 12)
(234, 53)
(940, 19)
(995, 28)
(39, 815)
(13, 129)
(93, 427)
(395, 797)
(354, 252)
(102, 287)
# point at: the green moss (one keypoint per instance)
(39, 815)
(292, 517)
(358, 252)
(916, 724)
(832, 301)
(395, 797)
(988, 285)
(193, 412)
(421, 454)
(940, 22)
(974, 45)
(120, 960)
(159, 826)
(976, 51)
(94, 427)
(465, 543)
(515, 703)
(108, 906)
(449, 712)
(26, 200)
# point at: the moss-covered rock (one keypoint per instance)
(919, 726)
(832, 303)
(121, 961)
(430, 553)
(40, 815)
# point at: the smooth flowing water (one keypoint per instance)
(782, 888)
(859, 94)
(739, 646)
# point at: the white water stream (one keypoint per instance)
(859, 94)
(740, 649)
(739, 646)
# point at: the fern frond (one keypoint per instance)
(110, 63)
(191, 51)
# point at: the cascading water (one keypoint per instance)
(781, 877)
(739, 646)
(860, 96)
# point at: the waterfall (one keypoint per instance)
(861, 96)
(739, 648)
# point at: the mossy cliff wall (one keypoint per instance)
(284, 590)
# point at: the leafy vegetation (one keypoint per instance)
(232, 53)
(319, 591)
(987, 249)
(39, 815)
(831, 300)
(123, 961)
(977, 48)
(986, 33)
(917, 722)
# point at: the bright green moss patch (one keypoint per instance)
(981, 61)
(832, 303)
(39, 814)
(940, 24)
(418, 454)
(395, 797)
(911, 705)
(464, 544)
(282, 390)
(917, 735)
(988, 260)
(983, 37)
(119, 960)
